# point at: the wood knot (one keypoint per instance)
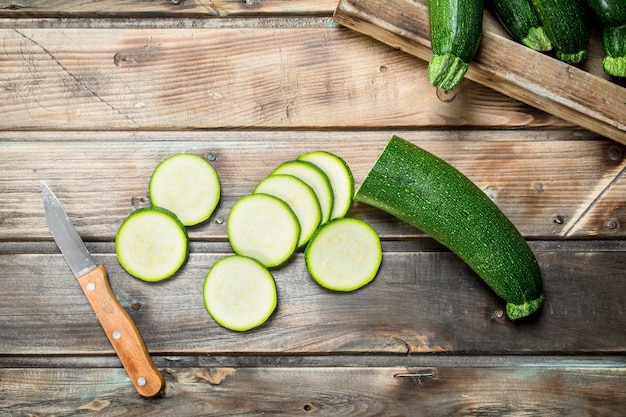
(308, 407)
(614, 153)
(612, 224)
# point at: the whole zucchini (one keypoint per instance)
(520, 19)
(565, 23)
(614, 43)
(455, 31)
(612, 15)
(427, 192)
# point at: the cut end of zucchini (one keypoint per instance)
(340, 176)
(344, 255)
(187, 185)
(446, 71)
(263, 227)
(538, 40)
(299, 197)
(151, 244)
(518, 311)
(573, 58)
(615, 66)
(239, 293)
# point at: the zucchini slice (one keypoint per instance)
(187, 185)
(151, 244)
(263, 227)
(315, 178)
(239, 293)
(340, 176)
(427, 192)
(301, 199)
(345, 254)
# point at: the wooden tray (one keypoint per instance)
(575, 94)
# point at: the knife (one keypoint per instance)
(94, 281)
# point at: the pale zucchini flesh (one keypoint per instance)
(187, 185)
(344, 254)
(239, 293)
(315, 178)
(263, 227)
(299, 197)
(340, 177)
(151, 244)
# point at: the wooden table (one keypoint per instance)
(94, 94)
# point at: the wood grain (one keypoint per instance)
(424, 300)
(501, 64)
(546, 186)
(67, 78)
(178, 8)
(373, 391)
(94, 94)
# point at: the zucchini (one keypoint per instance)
(187, 185)
(565, 24)
(151, 244)
(455, 31)
(239, 293)
(612, 15)
(614, 43)
(610, 12)
(427, 192)
(520, 19)
(344, 254)
(263, 227)
(301, 199)
(340, 176)
(314, 178)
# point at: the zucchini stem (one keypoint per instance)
(537, 39)
(446, 71)
(517, 311)
(615, 65)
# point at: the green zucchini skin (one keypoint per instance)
(427, 192)
(455, 31)
(614, 43)
(565, 23)
(610, 12)
(612, 15)
(520, 19)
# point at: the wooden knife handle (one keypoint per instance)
(122, 332)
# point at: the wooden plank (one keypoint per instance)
(199, 78)
(545, 185)
(422, 301)
(178, 8)
(502, 64)
(605, 216)
(528, 390)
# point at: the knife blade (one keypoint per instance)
(94, 281)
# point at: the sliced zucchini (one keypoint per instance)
(187, 185)
(151, 244)
(239, 293)
(315, 178)
(345, 254)
(427, 192)
(301, 199)
(263, 227)
(340, 177)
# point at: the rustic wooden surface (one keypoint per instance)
(564, 90)
(94, 94)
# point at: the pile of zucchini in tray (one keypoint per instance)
(561, 26)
